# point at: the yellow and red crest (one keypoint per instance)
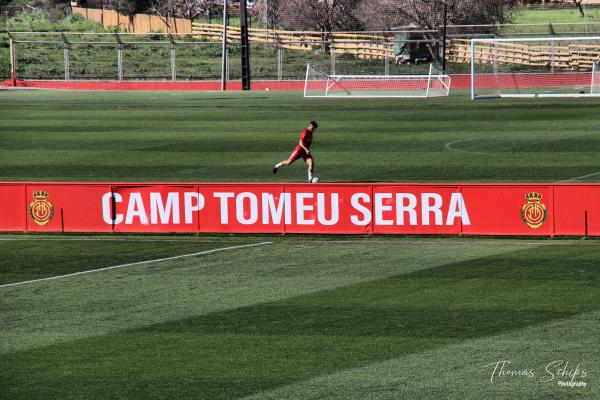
(40, 209)
(534, 212)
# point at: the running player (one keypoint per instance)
(302, 150)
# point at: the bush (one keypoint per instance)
(74, 19)
(157, 35)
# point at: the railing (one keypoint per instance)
(119, 56)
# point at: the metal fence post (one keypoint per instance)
(173, 60)
(13, 62)
(386, 59)
(120, 62)
(66, 57)
(173, 63)
(224, 50)
(332, 54)
(119, 57)
(279, 63)
(552, 50)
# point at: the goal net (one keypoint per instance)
(535, 67)
(319, 83)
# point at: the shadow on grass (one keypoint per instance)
(242, 351)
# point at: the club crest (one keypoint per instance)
(40, 209)
(534, 212)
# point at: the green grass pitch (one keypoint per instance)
(199, 136)
(296, 317)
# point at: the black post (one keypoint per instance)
(244, 46)
(444, 35)
(62, 221)
(113, 209)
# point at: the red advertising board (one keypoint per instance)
(580, 210)
(243, 208)
(512, 210)
(13, 214)
(151, 208)
(64, 207)
(418, 210)
(455, 209)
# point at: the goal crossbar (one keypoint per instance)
(319, 83)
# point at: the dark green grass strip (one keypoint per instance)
(24, 260)
(242, 351)
(207, 136)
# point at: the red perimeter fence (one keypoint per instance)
(356, 208)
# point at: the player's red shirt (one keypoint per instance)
(307, 137)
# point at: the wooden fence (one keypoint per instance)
(139, 23)
(571, 56)
(365, 46)
(361, 45)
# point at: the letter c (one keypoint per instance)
(107, 206)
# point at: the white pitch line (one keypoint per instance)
(445, 241)
(108, 239)
(449, 147)
(581, 177)
(138, 263)
(366, 239)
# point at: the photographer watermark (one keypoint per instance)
(563, 372)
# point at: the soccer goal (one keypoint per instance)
(535, 67)
(319, 83)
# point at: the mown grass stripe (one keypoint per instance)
(253, 348)
(457, 370)
(137, 263)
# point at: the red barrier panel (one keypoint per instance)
(579, 210)
(456, 209)
(418, 210)
(509, 210)
(156, 208)
(459, 81)
(13, 214)
(64, 207)
(154, 85)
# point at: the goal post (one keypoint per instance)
(535, 67)
(595, 85)
(319, 83)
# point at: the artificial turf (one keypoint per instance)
(233, 136)
(303, 317)
(296, 319)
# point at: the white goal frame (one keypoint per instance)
(378, 89)
(594, 81)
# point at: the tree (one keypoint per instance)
(189, 9)
(56, 9)
(475, 12)
(266, 11)
(579, 5)
(129, 7)
(320, 15)
(429, 14)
